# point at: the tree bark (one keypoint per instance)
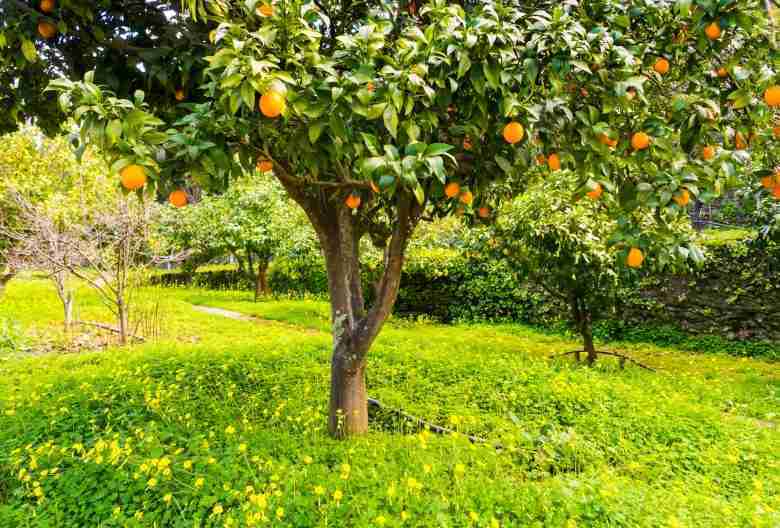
(354, 328)
(261, 280)
(587, 336)
(123, 321)
(577, 317)
(4, 280)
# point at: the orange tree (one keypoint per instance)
(376, 115)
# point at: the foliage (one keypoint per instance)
(45, 173)
(243, 412)
(252, 221)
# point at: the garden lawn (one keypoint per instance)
(222, 422)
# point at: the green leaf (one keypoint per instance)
(391, 120)
(248, 94)
(315, 131)
(504, 163)
(113, 131)
(29, 51)
(437, 149)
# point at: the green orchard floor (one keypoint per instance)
(221, 422)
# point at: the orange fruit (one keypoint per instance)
(467, 143)
(776, 132)
(767, 182)
(722, 72)
(370, 86)
(265, 10)
(635, 258)
(596, 193)
(452, 190)
(272, 104)
(466, 197)
(541, 159)
(661, 66)
(683, 198)
(776, 192)
(47, 6)
(46, 29)
(514, 132)
(178, 198)
(772, 96)
(352, 201)
(708, 152)
(713, 31)
(640, 141)
(739, 141)
(179, 94)
(605, 140)
(133, 177)
(374, 187)
(554, 162)
(265, 166)
(484, 212)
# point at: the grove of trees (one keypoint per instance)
(377, 115)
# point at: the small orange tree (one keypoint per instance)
(379, 114)
(565, 246)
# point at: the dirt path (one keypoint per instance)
(238, 316)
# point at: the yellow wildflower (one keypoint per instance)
(167, 498)
(217, 509)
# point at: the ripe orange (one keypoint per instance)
(47, 6)
(178, 198)
(179, 94)
(466, 197)
(768, 182)
(772, 96)
(708, 152)
(513, 133)
(541, 159)
(554, 162)
(46, 29)
(640, 141)
(776, 132)
(467, 143)
(272, 104)
(265, 166)
(484, 212)
(133, 177)
(713, 31)
(661, 66)
(683, 198)
(370, 86)
(739, 141)
(352, 201)
(776, 192)
(605, 140)
(266, 10)
(635, 258)
(451, 190)
(722, 72)
(596, 193)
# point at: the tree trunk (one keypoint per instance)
(261, 280)
(587, 336)
(5, 277)
(348, 397)
(123, 322)
(354, 328)
(67, 305)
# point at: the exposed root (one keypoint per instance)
(622, 358)
(110, 329)
(423, 424)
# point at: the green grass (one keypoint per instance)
(123, 437)
(723, 237)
